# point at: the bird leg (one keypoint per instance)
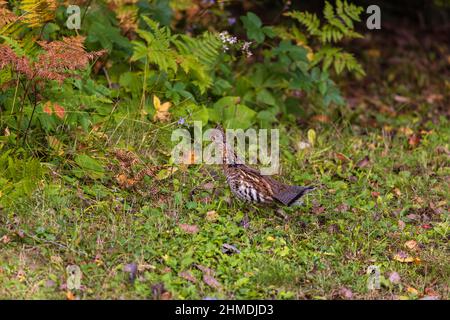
(283, 214)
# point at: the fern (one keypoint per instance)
(195, 56)
(38, 12)
(338, 25)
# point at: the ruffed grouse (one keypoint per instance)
(249, 185)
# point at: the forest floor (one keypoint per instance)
(382, 167)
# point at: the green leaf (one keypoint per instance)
(253, 25)
(91, 166)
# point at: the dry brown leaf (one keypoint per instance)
(166, 296)
(189, 228)
(124, 181)
(402, 99)
(412, 290)
(188, 276)
(414, 140)
(342, 157)
(212, 216)
(70, 295)
(397, 192)
(411, 245)
(364, 162)
(406, 131)
(321, 118)
(211, 281)
(432, 98)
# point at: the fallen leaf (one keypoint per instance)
(5, 239)
(414, 140)
(406, 131)
(321, 118)
(342, 157)
(401, 224)
(432, 98)
(375, 194)
(412, 290)
(411, 245)
(402, 99)
(211, 281)
(443, 150)
(124, 181)
(413, 216)
(189, 228)
(70, 295)
(403, 257)
(342, 208)
(363, 162)
(166, 296)
(397, 192)
(431, 292)
(188, 276)
(212, 216)
(204, 269)
(144, 267)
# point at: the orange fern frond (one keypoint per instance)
(59, 57)
(19, 64)
(6, 15)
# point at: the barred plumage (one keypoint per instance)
(249, 185)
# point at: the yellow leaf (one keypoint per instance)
(162, 110)
(70, 295)
(311, 136)
(156, 102)
(402, 257)
(412, 290)
(270, 238)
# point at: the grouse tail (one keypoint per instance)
(292, 193)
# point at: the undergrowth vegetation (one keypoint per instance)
(87, 178)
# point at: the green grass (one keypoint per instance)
(349, 223)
